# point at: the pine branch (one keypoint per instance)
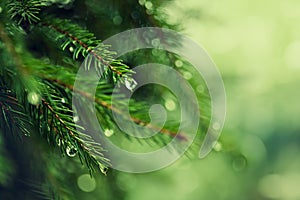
(42, 92)
(101, 99)
(59, 124)
(12, 116)
(53, 117)
(10, 48)
(82, 42)
(22, 80)
(61, 129)
(42, 191)
(118, 111)
(25, 10)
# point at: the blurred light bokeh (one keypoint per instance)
(256, 45)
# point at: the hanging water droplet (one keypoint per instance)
(33, 98)
(108, 132)
(71, 49)
(71, 151)
(1, 9)
(58, 142)
(104, 170)
(130, 84)
(63, 100)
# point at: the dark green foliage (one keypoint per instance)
(80, 43)
(13, 118)
(25, 11)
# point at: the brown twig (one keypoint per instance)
(118, 111)
(71, 133)
(85, 46)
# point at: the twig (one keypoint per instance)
(85, 46)
(118, 111)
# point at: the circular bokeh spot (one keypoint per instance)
(86, 183)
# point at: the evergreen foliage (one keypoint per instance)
(42, 44)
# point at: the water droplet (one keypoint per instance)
(108, 132)
(33, 98)
(1, 9)
(104, 170)
(59, 142)
(63, 100)
(71, 49)
(130, 84)
(71, 151)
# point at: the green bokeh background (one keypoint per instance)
(256, 46)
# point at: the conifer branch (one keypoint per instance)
(70, 136)
(85, 43)
(10, 48)
(140, 122)
(36, 87)
(85, 46)
(12, 116)
(21, 76)
(25, 10)
(59, 123)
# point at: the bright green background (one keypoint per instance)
(256, 45)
